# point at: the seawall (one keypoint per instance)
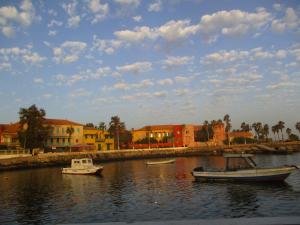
(57, 159)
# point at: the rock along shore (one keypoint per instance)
(57, 159)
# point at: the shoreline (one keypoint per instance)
(59, 159)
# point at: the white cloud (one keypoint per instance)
(80, 92)
(289, 22)
(175, 61)
(70, 9)
(100, 10)
(131, 3)
(277, 7)
(54, 23)
(181, 92)
(38, 81)
(143, 84)
(160, 94)
(137, 35)
(165, 82)
(74, 21)
(26, 55)
(9, 15)
(121, 86)
(155, 7)
(52, 32)
(224, 56)
(107, 46)
(5, 66)
(69, 51)
(181, 79)
(135, 68)
(284, 84)
(137, 18)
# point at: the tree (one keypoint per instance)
(102, 126)
(266, 131)
(280, 127)
(206, 127)
(70, 130)
(258, 128)
(33, 129)
(298, 126)
(246, 128)
(289, 132)
(228, 126)
(116, 128)
(274, 131)
(90, 125)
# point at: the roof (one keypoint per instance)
(61, 122)
(10, 128)
(156, 127)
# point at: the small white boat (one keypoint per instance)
(161, 162)
(83, 167)
(242, 168)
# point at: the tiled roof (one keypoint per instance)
(157, 127)
(61, 122)
(11, 128)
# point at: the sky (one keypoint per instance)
(151, 62)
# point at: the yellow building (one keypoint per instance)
(59, 138)
(102, 140)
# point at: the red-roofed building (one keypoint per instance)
(9, 134)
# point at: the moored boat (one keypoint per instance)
(242, 168)
(83, 166)
(161, 162)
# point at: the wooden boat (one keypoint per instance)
(83, 166)
(161, 162)
(244, 169)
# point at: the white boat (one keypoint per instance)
(83, 167)
(161, 162)
(243, 169)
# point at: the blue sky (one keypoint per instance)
(151, 62)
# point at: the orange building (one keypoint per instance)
(9, 134)
(174, 136)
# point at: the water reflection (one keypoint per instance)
(133, 191)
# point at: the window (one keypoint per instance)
(63, 140)
(57, 130)
(51, 140)
(78, 130)
(84, 161)
(57, 140)
(63, 130)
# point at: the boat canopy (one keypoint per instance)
(228, 155)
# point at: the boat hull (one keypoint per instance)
(161, 162)
(254, 175)
(88, 171)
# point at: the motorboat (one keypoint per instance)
(242, 168)
(83, 166)
(161, 162)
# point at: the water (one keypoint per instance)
(132, 191)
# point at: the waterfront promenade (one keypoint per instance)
(24, 161)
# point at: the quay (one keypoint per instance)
(24, 161)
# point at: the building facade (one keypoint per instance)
(59, 138)
(101, 140)
(9, 134)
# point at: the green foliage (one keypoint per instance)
(90, 125)
(33, 130)
(293, 137)
(102, 126)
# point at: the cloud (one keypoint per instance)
(155, 7)
(38, 80)
(181, 92)
(10, 15)
(26, 55)
(137, 35)
(70, 9)
(80, 92)
(100, 10)
(289, 22)
(224, 56)
(52, 32)
(106, 46)
(69, 51)
(181, 79)
(165, 82)
(175, 61)
(54, 23)
(280, 85)
(137, 18)
(135, 68)
(131, 3)
(160, 94)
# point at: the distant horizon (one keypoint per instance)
(152, 62)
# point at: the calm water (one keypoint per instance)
(133, 191)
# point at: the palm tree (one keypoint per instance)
(246, 128)
(298, 126)
(116, 128)
(289, 132)
(70, 131)
(228, 126)
(274, 131)
(266, 130)
(280, 127)
(102, 126)
(206, 126)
